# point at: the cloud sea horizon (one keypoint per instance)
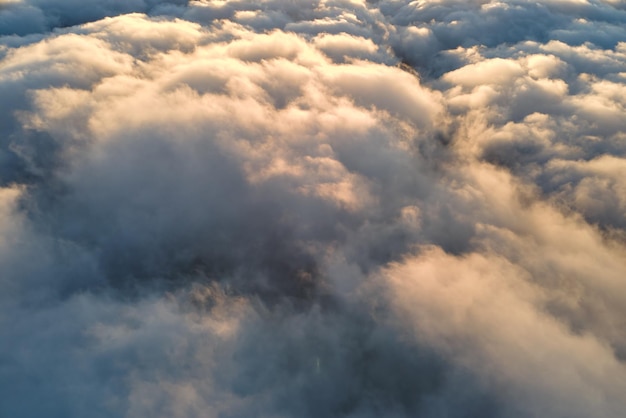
(312, 208)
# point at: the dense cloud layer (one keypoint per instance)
(312, 208)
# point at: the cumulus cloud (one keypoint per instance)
(320, 208)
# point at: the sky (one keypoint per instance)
(312, 208)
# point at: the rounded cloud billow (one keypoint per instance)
(291, 208)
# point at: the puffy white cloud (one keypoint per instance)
(481, 311)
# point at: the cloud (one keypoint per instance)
(24, 17)
(324, 208)
(493, 327)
